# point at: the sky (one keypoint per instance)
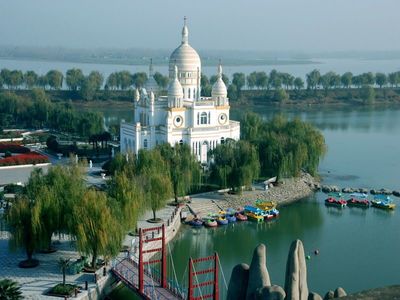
(265, 25)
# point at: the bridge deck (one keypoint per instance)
(127, 271)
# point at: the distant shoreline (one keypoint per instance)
(160, 62)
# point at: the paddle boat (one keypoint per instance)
(196, 222)
(384, 202)
(222, 220)
(254, 213)
(230, 215)
(240, 216)
(265, 205)
(210, 222)
(273, 213)
(330, 201)
(231, 218)
(359, 200)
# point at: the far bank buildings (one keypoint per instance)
(183, 116)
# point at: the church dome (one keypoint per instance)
(184, 57)
(219, 87)
(151, 84)
(175, 88)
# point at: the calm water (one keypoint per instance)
(358, 247)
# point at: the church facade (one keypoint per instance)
(183, 116)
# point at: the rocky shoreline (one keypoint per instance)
(288, 191)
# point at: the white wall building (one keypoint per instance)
(182, 116)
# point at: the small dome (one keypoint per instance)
(151, 84)
(175, 88)
(219, 87)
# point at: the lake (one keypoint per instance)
(358, 247)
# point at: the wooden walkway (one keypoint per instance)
(127, 271)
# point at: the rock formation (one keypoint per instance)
(238, 284)
(258, 273)
(253, 283)
(296, 273)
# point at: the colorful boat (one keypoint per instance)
(231, 218)
(210, 222)
(268, 216)
(330, 201)
(384, 202)
(222, 220)
(241, 216)
(196, 222)
(254, 213)
(272, 213)
(265, 205)
(358, 202)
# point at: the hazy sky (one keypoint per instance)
(298, 25)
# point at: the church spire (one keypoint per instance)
(185, 32)
(151, 68)
(219, 70)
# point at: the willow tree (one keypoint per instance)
(67, 185)
(54, 196)
(45, 216)
(235, 164)
(155, 179)
(121, 163)
(251, 126)
(97, 230)
(183, 167)
(126, 191)
(288, 147)
(23, 235)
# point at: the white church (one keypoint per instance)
(183, 116)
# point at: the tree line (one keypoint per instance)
(35, 110)
(75, 80)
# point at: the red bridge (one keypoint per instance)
(147, 275)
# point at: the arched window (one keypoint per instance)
(222, 140)
(189, 93)
(145, 143)
(203, 118)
